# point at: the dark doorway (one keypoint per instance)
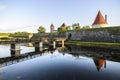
(69, 36)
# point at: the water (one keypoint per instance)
(68, 63)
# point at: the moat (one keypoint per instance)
(61, 63)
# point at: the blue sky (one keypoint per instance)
(28, 15)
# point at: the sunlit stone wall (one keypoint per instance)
(107, 34)
(99, 35)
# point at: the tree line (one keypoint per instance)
(64, 28)
(41, 29)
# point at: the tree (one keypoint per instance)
(86, 27)
(76, 26)
(19, 34)
(68, 27)
(62, 29)
(41, 29)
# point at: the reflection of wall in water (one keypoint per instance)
(92, 52)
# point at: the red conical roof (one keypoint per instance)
(99, 19)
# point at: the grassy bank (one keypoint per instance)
(95, 44)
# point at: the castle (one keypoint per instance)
(99, 22)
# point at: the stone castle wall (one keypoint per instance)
(44, 35)
(111, 34)
(108, 34)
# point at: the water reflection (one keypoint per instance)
(16, 56)
(99, 55)
(15, 53)
(64, 63)
(99, 63)
(108, 54)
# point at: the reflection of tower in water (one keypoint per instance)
(99, 63)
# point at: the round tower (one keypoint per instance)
(52, 28)
(99, 21)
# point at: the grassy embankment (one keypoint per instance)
(95, 44)
(4, 36)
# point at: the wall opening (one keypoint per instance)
(69, 36)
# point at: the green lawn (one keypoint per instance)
(95, 44)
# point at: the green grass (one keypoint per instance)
(95, 44)
(4, 36)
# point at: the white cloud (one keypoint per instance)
(2, 7)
